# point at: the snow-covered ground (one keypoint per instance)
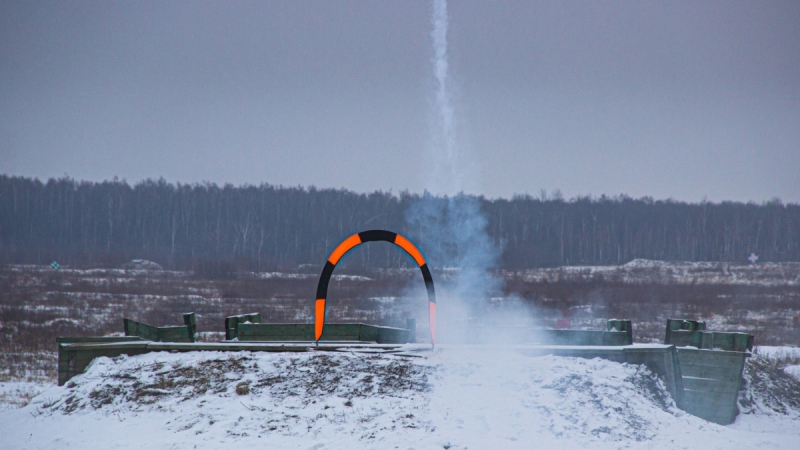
(453, 398)
(14, 394)
(787, 356)
(675, 272)
(780, 352)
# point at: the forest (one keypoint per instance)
(267, 227)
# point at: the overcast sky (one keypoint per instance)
(681, 99)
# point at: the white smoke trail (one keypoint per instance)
(452, 229)
(444, 134)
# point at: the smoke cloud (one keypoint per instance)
(452, 228)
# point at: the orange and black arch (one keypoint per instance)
(354, 241)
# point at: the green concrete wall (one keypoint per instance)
(711, 381)
(711, 364)
(181, 333)
(232, 324)
(74, 357)
(288, 332)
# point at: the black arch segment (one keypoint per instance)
(324, 278)
(377, 235)
(354, 241)
(426, 275)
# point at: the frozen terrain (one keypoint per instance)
(676, 272)
(455, 398)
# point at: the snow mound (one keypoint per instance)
(514, 399)
(644, 264)
(768, 389)
(141, 264)
(296, 380)
(455, 398)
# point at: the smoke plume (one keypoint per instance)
(451, 228)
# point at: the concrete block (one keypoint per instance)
(715, 373)
(711, 358)
(190, 320)
(232, 323)
(711, 385)
(680, 326)
(411, 326)
(287, 332)
(680, 338)
(720, 399)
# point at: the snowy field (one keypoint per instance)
(677, 272)
(453, 398)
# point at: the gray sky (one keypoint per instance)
(673, 99)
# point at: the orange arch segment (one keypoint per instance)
(406, 245)
(319, 310)
(343, 248)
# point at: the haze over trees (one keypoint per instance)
(270, 227)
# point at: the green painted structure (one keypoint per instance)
(232, 324)
(711, 382)
(248, 328)
(336, 332)
(711, 364)
(75, 354)
(183, 333)
(692, 333)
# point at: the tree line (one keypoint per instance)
(269, 227)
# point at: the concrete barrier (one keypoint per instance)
(679, 331)
(711, 365)
(75, 354)
(184, 333)
(692, 333)
(338, 332)
(232, 324)
(711, 383)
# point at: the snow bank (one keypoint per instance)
(456, 398)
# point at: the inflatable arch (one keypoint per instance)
(354, 241)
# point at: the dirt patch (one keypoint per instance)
(305, 377)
